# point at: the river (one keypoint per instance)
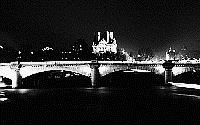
(112, 105)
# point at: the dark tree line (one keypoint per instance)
(145, 54)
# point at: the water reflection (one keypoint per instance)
(187, 95)
(193, 86)
(98, 104)
(2, 96)
(22, 91)
(3, 99)
(93, 90)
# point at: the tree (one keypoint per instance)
(146, 53)
(81, 50)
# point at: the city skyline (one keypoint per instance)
(136, 24)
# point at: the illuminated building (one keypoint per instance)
(104, 42)
(170, 54)
(183, 53)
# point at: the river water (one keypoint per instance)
(111, 105)
(156, 104)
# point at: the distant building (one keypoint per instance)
(81, 50)
(193, 54)
(104, 42)
(8, 54)
(183, 53)
(170, 54)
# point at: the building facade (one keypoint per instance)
(170, 54)
(104, 42)
(183, 53)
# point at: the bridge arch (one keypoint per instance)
(135, 79)
(48, 72)
(79, 69)
(55, 79)
(107, 69)
(189, 77)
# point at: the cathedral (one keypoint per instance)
(104, 42)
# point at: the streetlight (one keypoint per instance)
(19, 57)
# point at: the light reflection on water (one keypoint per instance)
(3, 99)
(187, 95)
(100, 90)
(192, 86)
(2, 96)
(22, 91)
(14, 94)
(181, 91)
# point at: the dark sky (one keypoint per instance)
(158, 24)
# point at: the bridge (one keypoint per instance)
(93, 69)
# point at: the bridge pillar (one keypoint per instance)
(168, 65)
(16, 81)
(94, 73)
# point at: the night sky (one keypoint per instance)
(158, 24)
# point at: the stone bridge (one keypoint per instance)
(93, 69)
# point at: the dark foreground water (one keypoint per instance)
(100, 105)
